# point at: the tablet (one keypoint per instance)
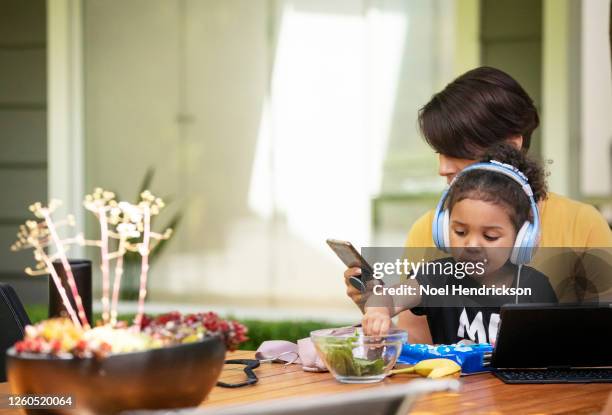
(554, 336)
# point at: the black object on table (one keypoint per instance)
(81, 270)
(554, 343)
(578, 375)
(250, 364)
(13, 320)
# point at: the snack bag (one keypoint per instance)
(473, 358)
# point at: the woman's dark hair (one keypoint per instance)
(497, 188)
(479, 109)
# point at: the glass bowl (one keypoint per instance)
(353, 357)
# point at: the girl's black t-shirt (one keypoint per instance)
(475, 317)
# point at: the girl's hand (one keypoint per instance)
(351, 291)
(376, 321)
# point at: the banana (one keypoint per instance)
(432, 368)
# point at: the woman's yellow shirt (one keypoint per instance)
(564, 223)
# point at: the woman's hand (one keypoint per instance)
(376, 321)
(351, 291)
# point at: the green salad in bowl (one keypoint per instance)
(353, 357)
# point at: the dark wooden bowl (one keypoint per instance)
(171, 377)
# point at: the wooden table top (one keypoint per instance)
(479, 394)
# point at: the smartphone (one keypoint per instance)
(352, 258)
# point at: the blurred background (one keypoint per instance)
(271, 125)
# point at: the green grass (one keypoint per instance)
(259, 330)
(37, 312)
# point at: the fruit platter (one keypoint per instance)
(166, 361)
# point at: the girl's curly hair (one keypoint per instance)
(497, 188)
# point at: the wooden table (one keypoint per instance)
(480, 393)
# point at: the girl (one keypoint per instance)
(488, 218)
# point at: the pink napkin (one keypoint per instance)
(303, 353)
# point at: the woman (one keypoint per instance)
(481, 108)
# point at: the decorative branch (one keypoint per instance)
(45, 213)
(144, 265)
(39, 235)
(101, 203)
(125, 230)
(149, 206)
(117, 281)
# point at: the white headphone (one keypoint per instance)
(527, 236)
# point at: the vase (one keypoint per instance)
(165, 378)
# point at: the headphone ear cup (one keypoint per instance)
(435, 229)
(531, 246)
(439, 230)
(521, 253)
(446, 230)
